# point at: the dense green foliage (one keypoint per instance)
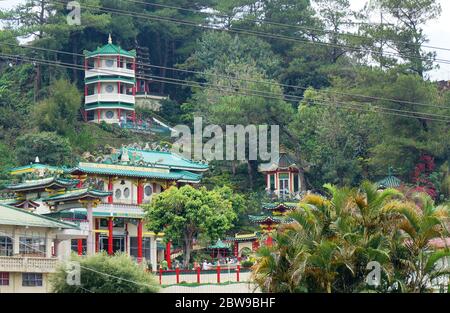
(340, 99)
(332, 240)
(185, 213)
(101, 273)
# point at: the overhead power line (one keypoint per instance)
(251, 80)
(254, 33)
(376, 109)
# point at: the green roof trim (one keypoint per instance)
(118, 105)
(95, 79)
(175, 175)
(43, 183)
(36, 166)
(279, 206)
(269, 219)
(78, 194)
(110, 49)
(17, 217)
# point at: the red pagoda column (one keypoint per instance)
(168, 254)
(110, 236)
(110, 188)
(139, 235)
(98, 115)
(139, 192)
(80, 246)
(97, 236)
(236, 249)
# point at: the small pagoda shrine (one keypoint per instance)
(277, 215)
(390, 181)
(282, 177)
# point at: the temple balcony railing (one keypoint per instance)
(107, 71)
(284, 195)
(109, 97)
(28, 264)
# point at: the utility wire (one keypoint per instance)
(244, 79)
(383, 110)
(250, 32)
(269, 22)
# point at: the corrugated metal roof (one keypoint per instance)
(17, 217)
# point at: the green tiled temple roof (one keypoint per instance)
(169, 159)
(13, 216)
(77, 194)
(175, 175)
(219, 245)
(36, 166)
(389, 182)
(278, 206)
(42, 183)
(244, 237)
(110, 49)
(269, 219)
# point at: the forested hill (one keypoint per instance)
(353, 98)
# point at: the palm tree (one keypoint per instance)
(419, 223)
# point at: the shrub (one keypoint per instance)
(101, 273)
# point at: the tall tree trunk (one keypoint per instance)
(187, 247)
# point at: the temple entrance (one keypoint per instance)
(118, 244)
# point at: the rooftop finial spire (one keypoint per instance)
(109, 39)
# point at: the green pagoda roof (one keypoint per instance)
(43, 183)
(284, 161)
(110, 49)
(78, 194)
(389, 182)
(13, 216)
(219, 245)
(243, 237)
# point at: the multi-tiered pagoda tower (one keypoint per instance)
(110, 84)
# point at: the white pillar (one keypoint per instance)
(153, 253)
(90, 242)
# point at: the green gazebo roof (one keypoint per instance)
(269, 219)
(279, 206)
(219, 245)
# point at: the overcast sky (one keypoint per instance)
(438, 32)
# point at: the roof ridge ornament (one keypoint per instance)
(110, 39)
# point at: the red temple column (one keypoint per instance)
(139, 235)
(80, 246)
(168, 255)
(85, 90)
(140, 192)
(110, 188)
(97, 236)
(110, 236)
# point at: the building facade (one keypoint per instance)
(31, 246)
(104, 197)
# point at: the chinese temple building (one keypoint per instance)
(110, 84)
(104, 195)
(242, 242)
(282, 177)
